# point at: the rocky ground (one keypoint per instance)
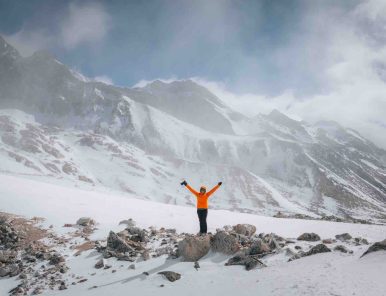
(332, 218)
(37, 257)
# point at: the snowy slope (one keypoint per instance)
(322, 274)
(72, 129)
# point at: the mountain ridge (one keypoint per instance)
(155, 135)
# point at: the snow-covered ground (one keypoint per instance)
(323, 274)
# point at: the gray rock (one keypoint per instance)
(137, 234)
(224, 242)
(7, 256)
(4, 271)
(310, 237)
(85, 221)
(343, 249)
(249, 261)
(10, 270)
(171, 275)
(361, 241)
(320, 248)
(378, 246)
(245, 229)
(56, 258)
(129, 222)
(115, 243)
(343, 237)
(62, 286)
(258, 247)
(99, 264)
(192, 248)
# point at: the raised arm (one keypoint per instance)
(184, 183)
(214, 189)
(191, 189)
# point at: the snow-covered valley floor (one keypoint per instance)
(331, 273)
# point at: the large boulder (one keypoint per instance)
(310, 237)
(192, 248)
(258, 247)
(378, 246)
(245, 229)
(224, 242)
(115, 243)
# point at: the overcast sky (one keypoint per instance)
(311, 59)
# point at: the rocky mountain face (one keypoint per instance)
(55, 123)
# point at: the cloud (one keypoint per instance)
(350, 57)
(85, 23)
(105, 79)
(79, 24)
(29, 41)
(143, 83)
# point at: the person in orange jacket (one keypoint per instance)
(202, 203)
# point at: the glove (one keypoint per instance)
(183, 183)
(219, 183)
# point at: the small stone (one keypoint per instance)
(171, 276)
(56, 258)
(343, 237)
(85, 221)
(343, 249)
(131, 266)
(82, 280)
(196, 265)
(327, 241)
(62, 286)
(99, 264)
(145, 273)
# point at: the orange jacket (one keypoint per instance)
(202, 199)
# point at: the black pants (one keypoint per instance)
(202, 214)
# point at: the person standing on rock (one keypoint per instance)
(202, 203)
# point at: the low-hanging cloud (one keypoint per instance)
(85, 23)
(82, 23)
(352, 69)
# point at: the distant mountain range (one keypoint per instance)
(57, 125)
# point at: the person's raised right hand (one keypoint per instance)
(184, 183)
